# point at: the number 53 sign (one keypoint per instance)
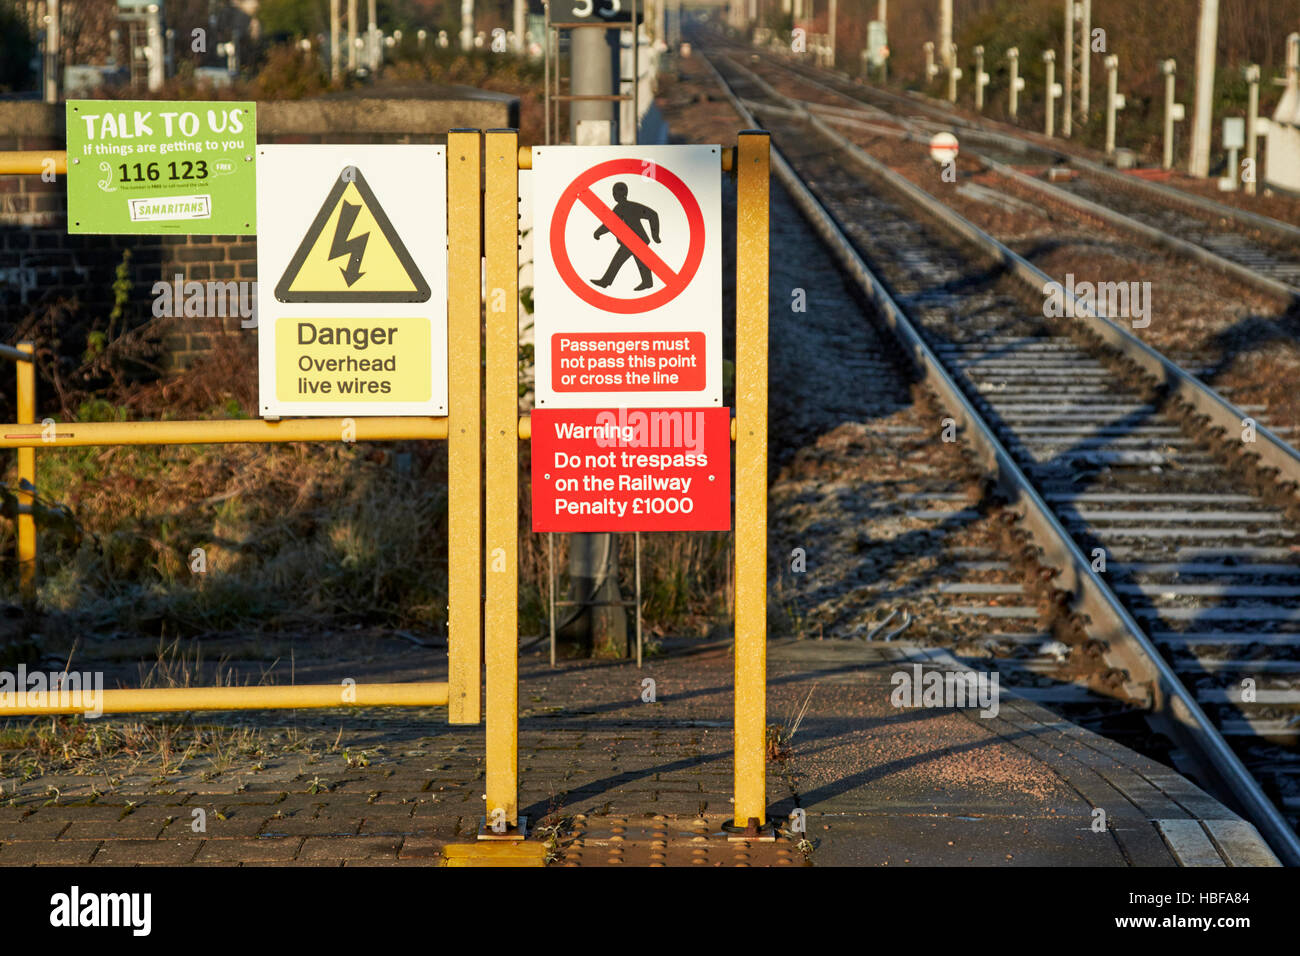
(585, 11)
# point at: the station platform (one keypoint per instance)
(608, 777)
(879, 785)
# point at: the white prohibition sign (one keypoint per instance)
(627, 266)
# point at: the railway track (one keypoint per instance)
(1221, 359)
(1256, 249)
(1178, 541)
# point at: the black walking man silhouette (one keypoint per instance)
(631, 214)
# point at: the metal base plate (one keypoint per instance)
(519, 832)
(665, 841)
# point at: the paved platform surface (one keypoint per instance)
(608, 778)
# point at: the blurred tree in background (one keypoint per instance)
(286, 19)
(17, 48)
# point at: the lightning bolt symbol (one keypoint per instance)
(353, 248)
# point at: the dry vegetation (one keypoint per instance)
(302, 536)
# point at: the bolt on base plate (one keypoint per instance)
(753, 833)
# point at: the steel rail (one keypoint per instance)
(1273, 452)
(1282, 290)
(1109, 619)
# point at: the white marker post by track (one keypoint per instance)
(352, 290)
(943, 147)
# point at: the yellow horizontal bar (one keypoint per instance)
(74, 434)
(32, 162)
(255, 430)
(728, 158)
(142, 700)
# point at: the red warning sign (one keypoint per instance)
(628, 361)
(623, 220)
(641, 469)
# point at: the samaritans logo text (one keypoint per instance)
(178, 207)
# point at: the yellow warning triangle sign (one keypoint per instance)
(351, 253)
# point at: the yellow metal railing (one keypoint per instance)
(485, 564)
(461, 693)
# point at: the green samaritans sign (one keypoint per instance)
(162, 167)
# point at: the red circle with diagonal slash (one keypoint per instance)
(674, 283)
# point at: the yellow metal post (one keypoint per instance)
(501, 536)
(26, 478)
(464, 434)
(751, 165)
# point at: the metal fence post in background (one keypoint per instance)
(1053, 93)
(464, 433)
(334, 41)
(1173, 112)
(1251, 73)
(752, 211)
(830, 31)
(352, 36)
(1016, 84)
(1207, 44)
(501, 537)
(1067, 73)
(946, 52)
(1114, 101)
(26, 477)
(954, 74)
